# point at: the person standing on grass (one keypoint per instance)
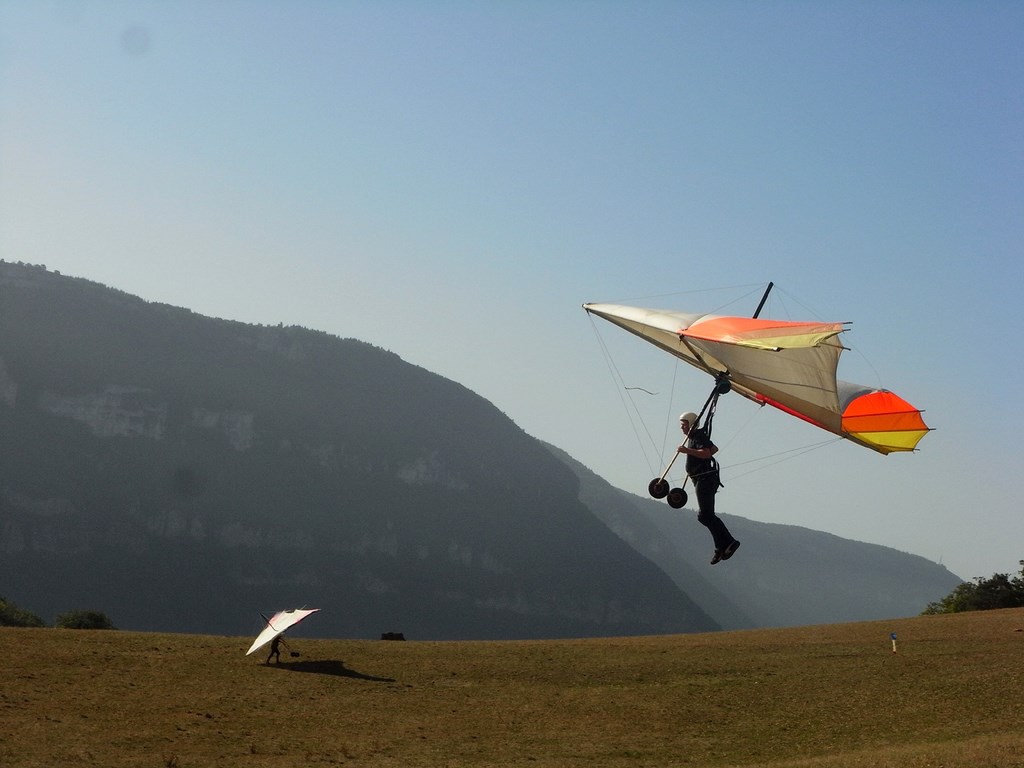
(275, 650)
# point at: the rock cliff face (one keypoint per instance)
(182, 473)
(115, 412)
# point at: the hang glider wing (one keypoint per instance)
(278, 624)
(789, 365)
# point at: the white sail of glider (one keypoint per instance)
(278, 624)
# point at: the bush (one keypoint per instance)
(83, 620)
(13, 616)
(999, 591)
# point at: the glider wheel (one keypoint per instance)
(677, 498)
(658, 488)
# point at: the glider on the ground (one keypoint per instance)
(278, 624)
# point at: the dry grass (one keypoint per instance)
(819, 697)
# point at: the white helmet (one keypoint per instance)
(689, 417)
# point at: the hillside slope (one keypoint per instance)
(783, 576)
(180, 472)
(183, 472)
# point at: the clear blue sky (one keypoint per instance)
(452, 180)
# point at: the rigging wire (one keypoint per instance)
(632, 415)
(751, 287)
(789, 454)
(671, 400)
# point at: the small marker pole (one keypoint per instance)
(893, 638)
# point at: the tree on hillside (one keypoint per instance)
(999, 591)
(83, 620)
(13, 616)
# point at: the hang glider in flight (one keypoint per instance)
(789, 365)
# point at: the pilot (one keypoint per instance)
(702, 469)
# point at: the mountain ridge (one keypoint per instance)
(175, 468)
(182, 472)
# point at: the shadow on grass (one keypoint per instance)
(328, 667)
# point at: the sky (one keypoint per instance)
(452, 180)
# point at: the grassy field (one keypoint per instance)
(817, 697)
